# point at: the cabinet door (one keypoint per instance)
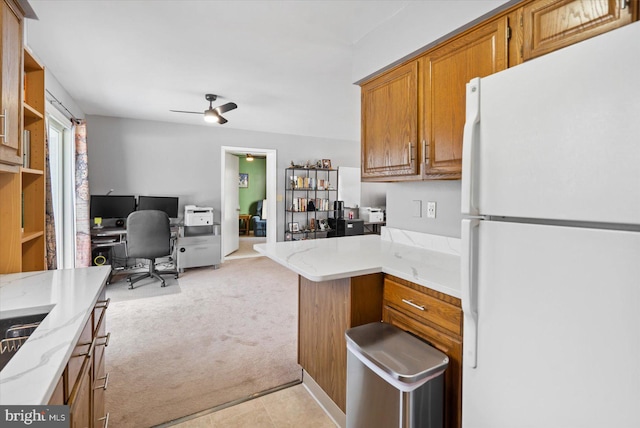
(451, 346)
(446, 72)
(80, 401)
(11, 108)
(551, 24)
(390, 124)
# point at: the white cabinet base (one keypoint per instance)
(196, 251)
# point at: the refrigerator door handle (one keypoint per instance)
(469, 140)
(469, 283)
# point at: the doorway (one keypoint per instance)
(230, 209)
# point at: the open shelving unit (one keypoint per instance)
(22, 228)
(302, 186)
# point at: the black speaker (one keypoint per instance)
(100, 256)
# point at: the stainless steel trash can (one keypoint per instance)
(394, 379)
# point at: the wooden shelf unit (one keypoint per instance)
(22, 189)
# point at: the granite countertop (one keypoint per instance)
(68, 295)
(429, 260)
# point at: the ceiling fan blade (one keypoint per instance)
(182, 111)
(222, 120)
(226, 107)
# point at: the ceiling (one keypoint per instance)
(287, 64)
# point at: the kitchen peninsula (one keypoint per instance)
(349, 281)
(62, 358)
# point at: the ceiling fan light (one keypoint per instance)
(211, 116)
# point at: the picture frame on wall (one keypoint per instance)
(294, 227)
(243, 180)
(326, 163)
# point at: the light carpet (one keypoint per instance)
(210, 337)
(245, 247)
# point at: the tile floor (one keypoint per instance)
(288, 408)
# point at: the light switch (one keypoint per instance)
(416, 208)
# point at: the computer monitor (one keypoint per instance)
(112, 206)
(168, 204)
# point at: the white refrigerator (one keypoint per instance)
(551, 240)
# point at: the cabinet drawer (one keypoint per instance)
(423, 306)
(80, 354)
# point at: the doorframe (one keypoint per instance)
(271, 180)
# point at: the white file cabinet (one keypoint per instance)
(195, 251)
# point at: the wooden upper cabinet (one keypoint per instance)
(11, 108)
(552, 24)
(390, 124)
(447, 70)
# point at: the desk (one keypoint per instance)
(247, 222)
(373, 227)
(109, 247)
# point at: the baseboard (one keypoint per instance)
(331, 409)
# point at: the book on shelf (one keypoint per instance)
(26, 148)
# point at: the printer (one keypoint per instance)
(198, 216)
(371, 215)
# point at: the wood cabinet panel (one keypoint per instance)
(447, 70)
(553, 24)
(81, 353)
(433, 310)
(11, 84)
(390, 124)
(451, 346)
(326, 310)
(80, 401)
(57, 398)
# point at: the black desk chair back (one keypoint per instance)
(149, 237)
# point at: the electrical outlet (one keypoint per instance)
(431, 210)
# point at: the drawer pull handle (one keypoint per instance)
(106, 381)
(4, 125)
(106, 342)
(103, 303)
(105, 419)
(89, 353)
(410, 303)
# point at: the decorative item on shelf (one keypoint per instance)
(312, 224)
(326, 163)
(98, 222)
(294, 227)
(243, 180)
(323, 225)
(311, 206)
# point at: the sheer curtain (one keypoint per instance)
(83, 237)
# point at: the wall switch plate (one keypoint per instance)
(431, 210)
(416, 208)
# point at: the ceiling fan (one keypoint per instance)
(213, 115)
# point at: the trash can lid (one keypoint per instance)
(397, 353)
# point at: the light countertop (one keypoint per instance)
(68, 295)
(428, 260)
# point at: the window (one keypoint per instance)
(61, 164)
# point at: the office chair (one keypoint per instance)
(259, 223)
(149, 237)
